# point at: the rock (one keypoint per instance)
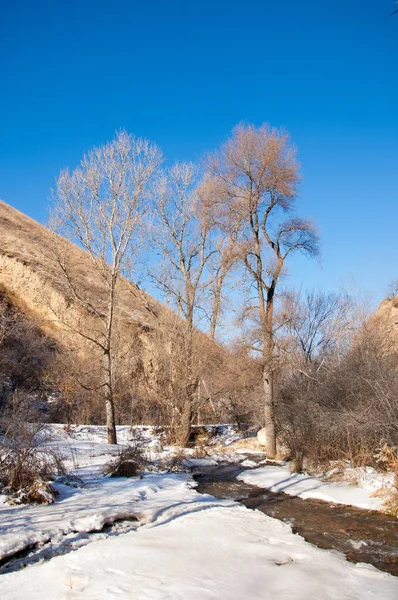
(262, 437)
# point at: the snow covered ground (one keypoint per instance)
(279, 479)
(185, 546)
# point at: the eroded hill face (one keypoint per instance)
(30, 271)
(386, 316)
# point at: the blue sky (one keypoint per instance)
(183, 73)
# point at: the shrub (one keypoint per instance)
(341, 408)
(27, 463)
(128, 463)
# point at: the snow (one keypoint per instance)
(279, 479)
(185, 546)
(201, 552)
(102, 500)
(84, 510)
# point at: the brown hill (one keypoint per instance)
(30, 273)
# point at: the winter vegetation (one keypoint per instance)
(231, 342)
(154, 307)
(199, 300)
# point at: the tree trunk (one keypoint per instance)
(190, 385)
(268, 375)
(215, 309)
(214, 318)
(184, 428)
(107, 365)
(269, 418)
(109, 404)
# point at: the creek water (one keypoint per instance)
(362, 535)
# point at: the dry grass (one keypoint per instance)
(244, 444)
(387, 457)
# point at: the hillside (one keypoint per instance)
(31, 280)
(29, 271)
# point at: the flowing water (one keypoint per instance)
(362, 535)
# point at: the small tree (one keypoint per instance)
(100, 206)
(255, 178)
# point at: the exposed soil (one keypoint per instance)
(362, 535)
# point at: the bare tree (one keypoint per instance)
(182, 234)
(99, 206)
(317, 324)
(255, 178)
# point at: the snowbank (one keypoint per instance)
(219, 552)
(187, 545)
(101, 500)
(279, 479)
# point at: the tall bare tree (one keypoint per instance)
(99, 206)
(182, 235)
(255, 178)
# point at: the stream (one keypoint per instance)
(361, 535)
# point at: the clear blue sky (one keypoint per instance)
(184, 72)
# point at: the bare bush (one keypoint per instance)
(176, 463)
(392, 292)
(27, 354)
(387, 457)
(236, 391)
(129, 462)
(345, 408)
(27, 463)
